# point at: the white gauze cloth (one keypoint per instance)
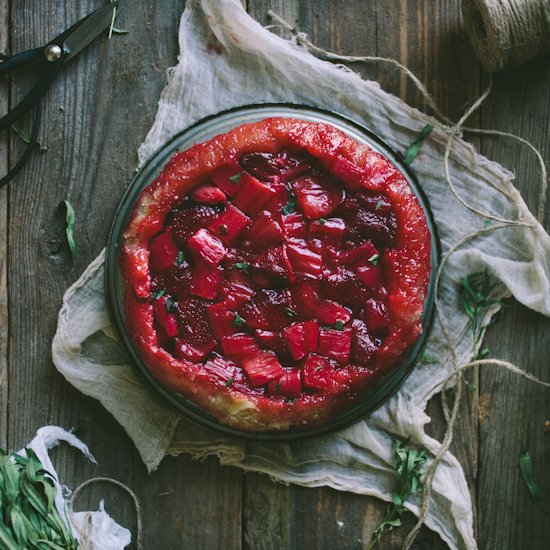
(97, 527)
(227, 59)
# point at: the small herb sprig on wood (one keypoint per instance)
(409, 468)
(414, 148)
(28, 516)
(475, 298)
(528, 473)
(70, 219)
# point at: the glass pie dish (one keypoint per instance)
(255, 240)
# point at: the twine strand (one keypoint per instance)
(455, 130)
(85, 535)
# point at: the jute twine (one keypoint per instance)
(454, 130)
(507, 32)
(85, 535)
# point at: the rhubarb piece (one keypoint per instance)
(236, 294)
(363, 226)
(190, 352)
(301, 338)
(239, 346)
(370, 275)
(294, 226)
(221, 368)
(228, 178)
(253, 195)
(274, 167)
(317, 197)
(208, 193)
(305, 295)
(363, 347)
(320, 374)
(335, 344)
(274, 265)
(262, 367)
(347, 171)
(344, 286)
(289, 385)
(375, 202)
(221, 319)
(229, 225)
(164, 318)
(305, 262)
(207, 247)
(376, 316)
(163, 252)
(206, 281)
(329, 313)
(264, 232)
(188, 220)
(267, 309)
(365, 254)
(273, 341)
(329, 230)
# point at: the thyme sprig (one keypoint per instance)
(409, 468)
(28, 516)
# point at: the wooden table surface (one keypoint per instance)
(94, 118)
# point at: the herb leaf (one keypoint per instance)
(339, 325)
(243, 266)
(116, 30)
(229, 382)
(238, 321)
(236, 178)
(414, 148)
(70, 219)
(528, 473)
(374, 259)
(289, 207)
(290, 312)
(158, 294)
(23, 136)
(179, 259)
(379, 205)
(409, 468)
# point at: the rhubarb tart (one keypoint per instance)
(275, 273)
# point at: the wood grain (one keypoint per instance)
(95, 116)
(4, 140)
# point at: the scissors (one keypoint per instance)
(48, 61)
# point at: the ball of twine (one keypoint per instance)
(507, 32)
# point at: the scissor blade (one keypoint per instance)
(87, 30)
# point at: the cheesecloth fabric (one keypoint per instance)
(227, 59)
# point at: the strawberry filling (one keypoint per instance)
(279, 275)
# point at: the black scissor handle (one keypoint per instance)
(49, 70)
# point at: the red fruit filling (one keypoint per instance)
(285, 282)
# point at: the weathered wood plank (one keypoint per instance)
(513, 412)
(4, 143)
(95, 116)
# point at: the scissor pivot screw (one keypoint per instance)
(53, 52)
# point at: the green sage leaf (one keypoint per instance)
(414, 148)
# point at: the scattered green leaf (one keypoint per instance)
(487, 223)
(229, 382)
(242, 266)
(289, 207)
(317, 368)
(409, 468)
(528, 473)
(428, 359)
(236, 178)
(414, 148)
(23, 136)
(238, 321)
(374, 259)
(116, 30)
(323, 220)
(156, 295)
(379, 205)
(70, 219)
(290, 312)
(339, 325)
(180, 258)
